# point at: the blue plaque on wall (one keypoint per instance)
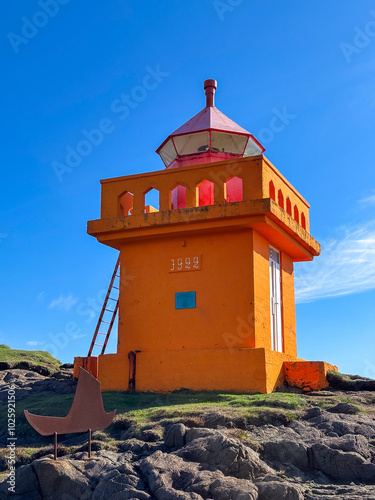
(185, 300)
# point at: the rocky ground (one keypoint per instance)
(319, 445)
(36, 382)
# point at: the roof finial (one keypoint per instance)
(210, 86)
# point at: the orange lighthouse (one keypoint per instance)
(211, 301)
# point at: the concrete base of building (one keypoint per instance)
(234, 370)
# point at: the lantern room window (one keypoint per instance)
(168, 153)
(188, 144)
(253, 148)
(228, 143)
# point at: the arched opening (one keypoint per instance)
(233, 190)
(151, 201)
(296, 214)
(205, 193)
(178, 197)
(125, 205)
(288, 206)
(280, 198)
(303, 220)
(272, 191)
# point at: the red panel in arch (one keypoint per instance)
(233, 190)
(280, 199)
(206, 193)
(296, 214)
(178, 197)
(272, 191)
(288, 206)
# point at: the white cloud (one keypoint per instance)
(346, 266)
(369, 200)
(34, 342)
(65, 303)
(41, 296)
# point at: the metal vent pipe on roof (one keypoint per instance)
(210, 86)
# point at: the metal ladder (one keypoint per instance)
(110, 306)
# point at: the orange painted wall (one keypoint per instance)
(148, 320)
(261, 284)
(275, 362)
(308, 375)
(236, 370)
(90, 364)
(113, 373)
(288, 310)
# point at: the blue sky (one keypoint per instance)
(64, 72)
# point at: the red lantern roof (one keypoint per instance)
(207, 137)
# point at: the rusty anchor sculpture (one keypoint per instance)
(86, 414)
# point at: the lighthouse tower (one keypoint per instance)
(210, 303)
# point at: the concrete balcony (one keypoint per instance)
(266, 202)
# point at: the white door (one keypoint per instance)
(275, 302)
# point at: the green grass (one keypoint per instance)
(140, 411)
(42, 358)
(143, 411)
(273, 400)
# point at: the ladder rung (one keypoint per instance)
(105, 308)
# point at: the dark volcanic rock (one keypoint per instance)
(61, 478)
(27, 486)
(346, 408)
(107, 475)
(63, 374)
(350, 442)
(26, 381)
(67, 365)
(175, 436)
(276, 490)
(228, 455)
(118, 485)
(170, 477)
(350, 382)
(150, 435)
(341, 424)
(284, 451)
(347, 466)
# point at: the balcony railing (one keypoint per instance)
(225, 182)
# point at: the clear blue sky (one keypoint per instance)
(64, 72)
